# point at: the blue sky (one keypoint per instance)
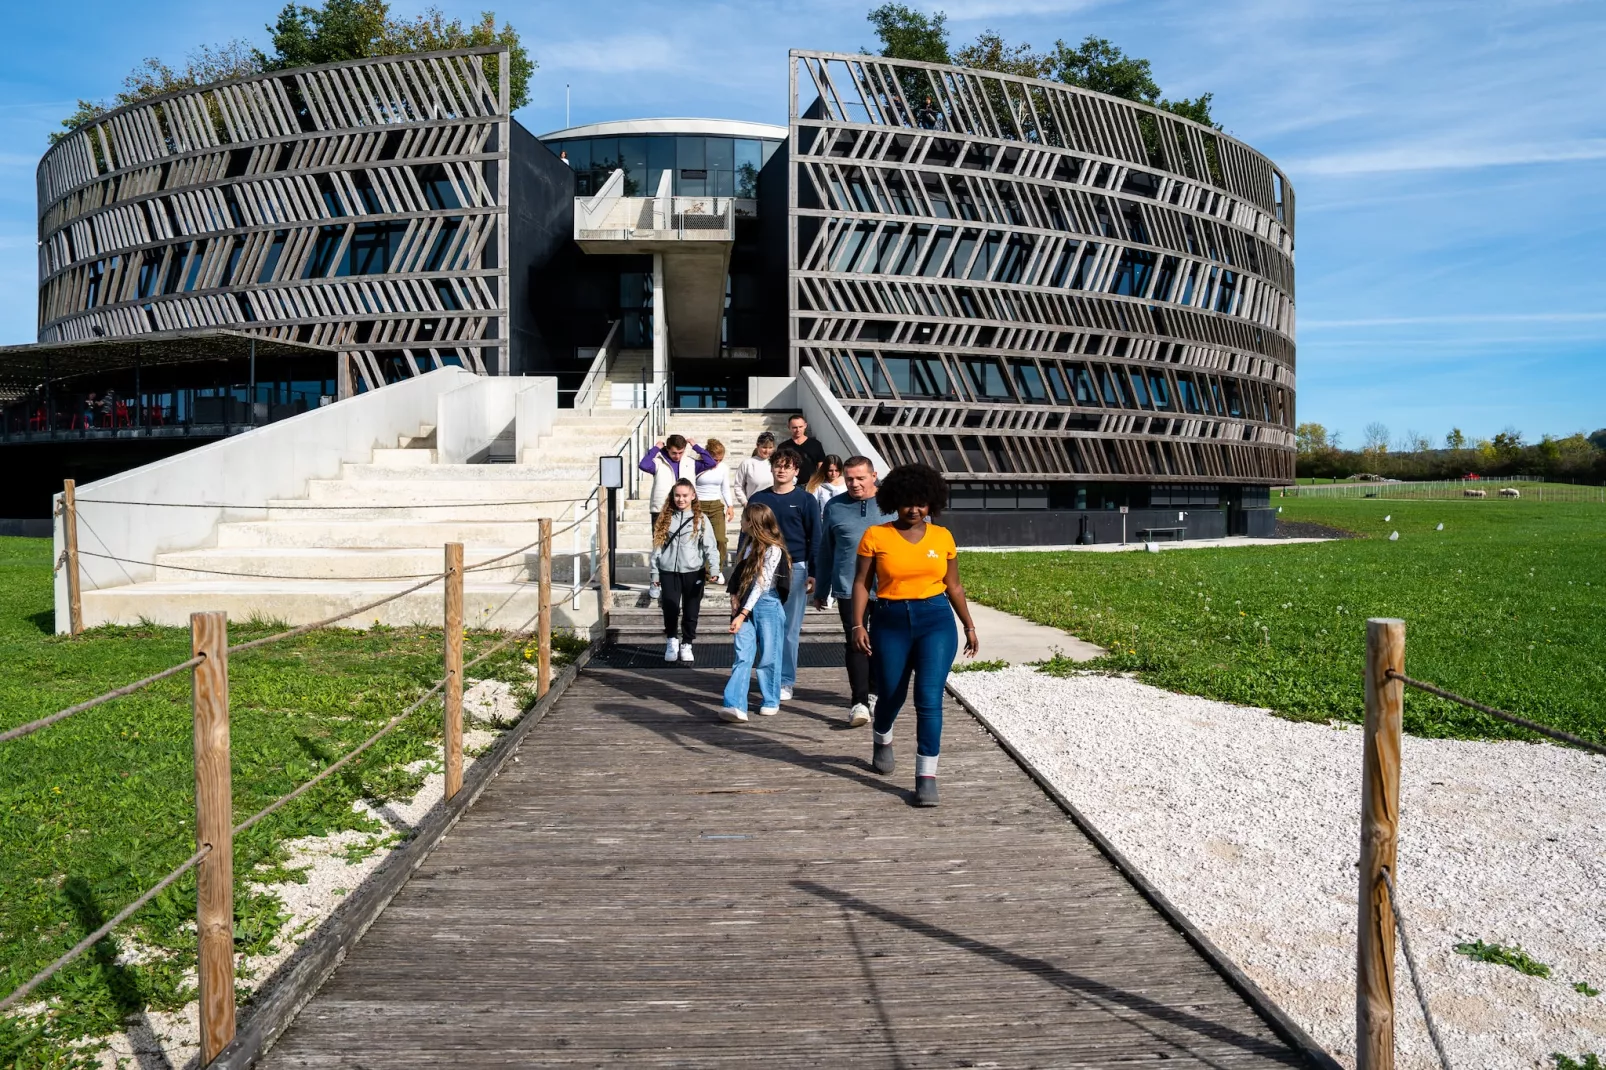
(1449, 158)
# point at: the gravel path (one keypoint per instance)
(1249, 824)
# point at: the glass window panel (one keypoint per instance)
(939, 249)
(1141, 391)
(962, 253)
(1188, 394)
(1159, 391)
(720, 161)
(579, 153)
(911, 249)
(986, 378)
(1082, 384)
(874, 376)
(1028, 381)
(691, 153)
(1056, 383)
(749, 161)
(660, 158)
(633, 158)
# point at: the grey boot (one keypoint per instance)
(881, 758)
(925, 791)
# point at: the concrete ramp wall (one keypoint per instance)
(177, 503)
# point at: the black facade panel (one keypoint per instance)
(540, 245)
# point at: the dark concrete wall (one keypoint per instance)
(1057, 527)
(774, 301)
(540, 245)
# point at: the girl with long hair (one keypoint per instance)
(683, 557)
(760, 583)
(826, 482)
(714, 498)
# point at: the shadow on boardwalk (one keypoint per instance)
(651, 887)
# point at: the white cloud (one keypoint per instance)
(1454, 319)
(1448, 157)
(636, 53)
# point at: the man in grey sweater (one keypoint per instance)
(845, 520)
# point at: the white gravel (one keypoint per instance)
(1250, 825)
(330, 870)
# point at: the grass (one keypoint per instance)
(1500, 955)
(980, 666)
(1587, 1062)
(1502, 606)
(95, 809)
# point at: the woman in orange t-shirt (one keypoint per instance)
(916, 575)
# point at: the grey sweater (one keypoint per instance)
(690, 548)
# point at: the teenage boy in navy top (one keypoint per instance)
(798, 513)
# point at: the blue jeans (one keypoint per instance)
(758, 641)
(794, 623)
(913, 637)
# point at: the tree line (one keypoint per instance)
(1577, 458)
(1094, 64)
(303, 36)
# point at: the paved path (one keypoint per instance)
(1019, 641)
(647, 886)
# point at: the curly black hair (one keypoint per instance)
(912, 484)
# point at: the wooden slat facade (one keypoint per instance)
(647, 886)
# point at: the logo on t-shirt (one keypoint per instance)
(931, 553)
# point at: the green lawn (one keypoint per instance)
(1506, 605)
(96, 809)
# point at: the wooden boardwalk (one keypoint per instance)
(647, 886)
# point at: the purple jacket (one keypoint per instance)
(649, 463)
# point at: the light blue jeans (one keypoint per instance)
(758, 641)
(795, 603)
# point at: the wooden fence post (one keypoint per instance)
(214, 822)
(604, 569)
(543, 627)
(69, 528)
(453, 657)
(1380, 818)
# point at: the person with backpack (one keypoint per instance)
(797, 515)
(760, 583)
(684, 555)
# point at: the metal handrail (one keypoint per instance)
(601, 364)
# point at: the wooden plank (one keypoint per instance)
(452, 700)
(653, 886)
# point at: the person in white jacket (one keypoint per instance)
(716, 500)
(753, 474)
(669, 460)
(682, 559)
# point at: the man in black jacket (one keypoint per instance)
(808, 448)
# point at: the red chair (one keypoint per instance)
(154, 414)
(120, 418)
(37, 421)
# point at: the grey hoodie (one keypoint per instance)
(690, 547)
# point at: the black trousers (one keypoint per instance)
(858, 664)
(682, 602)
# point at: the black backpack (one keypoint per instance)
(783, 576)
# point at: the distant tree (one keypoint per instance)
(302, 36)
(1311, 439)
(1103, 67)
(909, 34)
(1507, 443)
(1375, 438)
(1415, 442)
(1455, 440)
(989, 52)
(1598, 439)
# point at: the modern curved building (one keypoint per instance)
(1046, 293)
(1074, 306)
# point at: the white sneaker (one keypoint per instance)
(731, 713)
(671, 649)
(860, 715)
(769, 711)
(786, 694)
(685, 652)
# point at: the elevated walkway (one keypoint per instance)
(648, 886)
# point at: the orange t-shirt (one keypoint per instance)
(905, 569)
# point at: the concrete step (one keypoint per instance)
(351, 533)
(452, 473)
(403, 458)
(436, 491)
(350, 564)
(486, 605)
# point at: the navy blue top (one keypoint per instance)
(798, 514)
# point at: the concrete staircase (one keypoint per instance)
(353, 539)
(382, 524)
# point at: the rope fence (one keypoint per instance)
(299, 504)
(1381, 921)
(215, 828)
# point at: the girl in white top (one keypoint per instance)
(753, 475)
(716, 500)
(826, 483)
(758, 621)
